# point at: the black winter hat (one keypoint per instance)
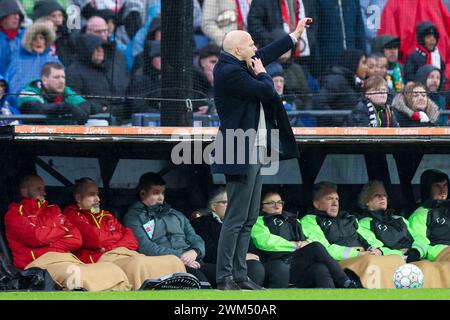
(275, 69)
(45, 8)
(425, 28)
(350, 58)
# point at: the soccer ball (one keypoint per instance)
(408, 276)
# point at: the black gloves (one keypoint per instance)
(412, 255)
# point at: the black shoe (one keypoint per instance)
(249, 285)
(350, 284)
(227, 283)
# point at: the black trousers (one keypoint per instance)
(308, 267)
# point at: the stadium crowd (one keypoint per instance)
(385, 61)
(323, 247)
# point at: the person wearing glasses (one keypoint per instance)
(373, 109)
(208, 227)
(414, 107)
(288, 256)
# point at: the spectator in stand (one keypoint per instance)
(33, 54)
(105, 239)
(372, 66)
(341, 27)
(341, 87)
(388, 46)
(49, 95)
(11, 34)
(204, 78)
(154, 33)
(430, 77)
(373, 109)
(208, 227)
(89, 76)
(222, 16)
(414, 107)
(39, 235)
(382, 64)
(426, 52)
(146, 83)
(5, 104)
(266, 17)
(114, 62)
(288, 256)
(340, 233)
(53, 11)
(162, 230)
(275, 70)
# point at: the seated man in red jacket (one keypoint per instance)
(106, 239)
(39, 235)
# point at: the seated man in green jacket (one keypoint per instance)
(162, 230)
(340, 234)
(430, 223)
(50, 96)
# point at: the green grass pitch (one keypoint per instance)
(273, 294)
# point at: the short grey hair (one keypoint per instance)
(320, 188)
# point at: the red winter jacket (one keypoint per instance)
(34, 227)
(101, 230)
(400, 18)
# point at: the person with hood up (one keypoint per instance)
(33, 54)
(88, 75)
(430, 228)
(53, 11)
(11, 32)
(426, 52)
(5, 104)
(430, 223)
(341, 87)
(430, 77)
(414, 107)
(146, 82)
(388, 46)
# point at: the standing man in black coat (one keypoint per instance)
(253, 126)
